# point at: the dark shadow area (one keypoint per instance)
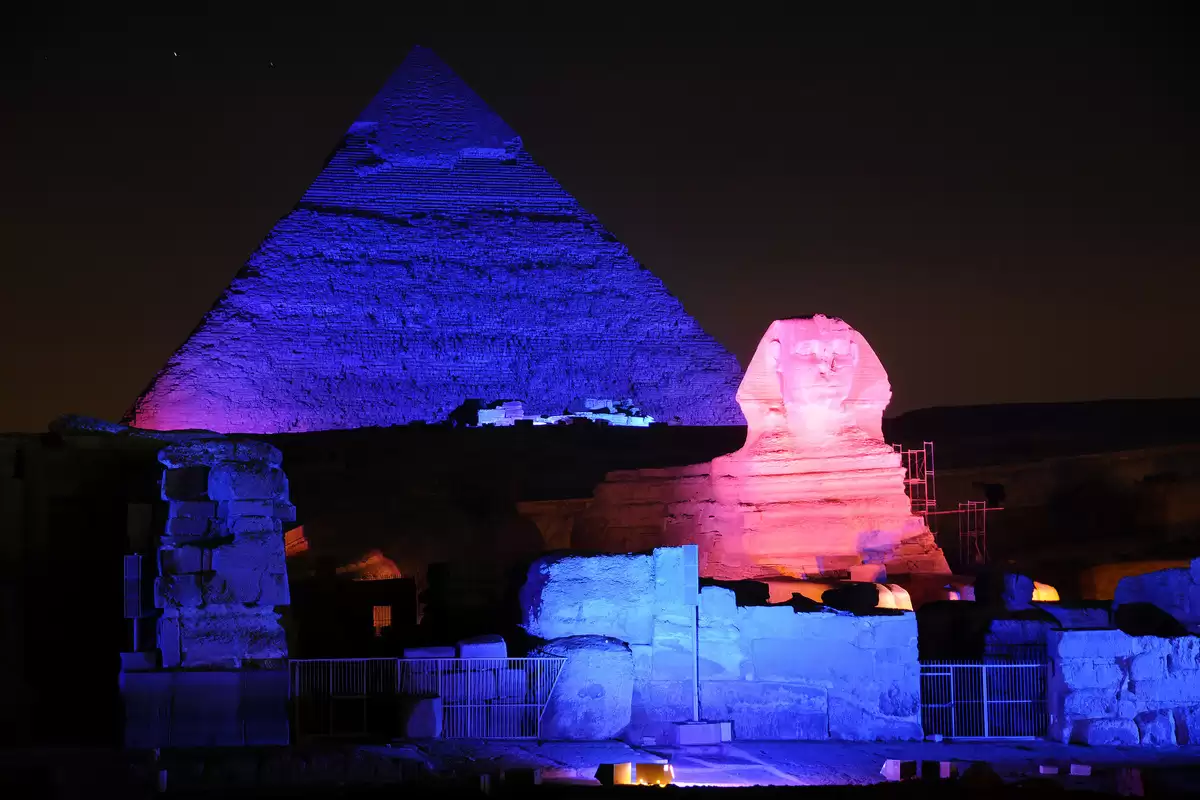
(1147, 619)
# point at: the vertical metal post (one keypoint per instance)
(696, 663)
(953, 708)
(983, 671)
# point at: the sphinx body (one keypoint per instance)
(814, 491)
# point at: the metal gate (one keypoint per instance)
(481, 698)
(984, 699)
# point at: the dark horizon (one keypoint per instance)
(1005, 208)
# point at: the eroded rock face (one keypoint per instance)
(593, 698)
(222, 572)
(814, 490)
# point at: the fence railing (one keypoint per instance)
(984, 699)
(485, 698)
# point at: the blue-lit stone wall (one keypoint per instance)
(773, 672)
(430, 263)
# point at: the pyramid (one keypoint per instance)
(431, 263)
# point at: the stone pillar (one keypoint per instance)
(221, 562)
(221, 576)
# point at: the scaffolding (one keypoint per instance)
(919, 481)
(972, 532)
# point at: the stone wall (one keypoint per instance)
(774, 672)
(1110, 688)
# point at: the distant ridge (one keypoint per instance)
(993, 434)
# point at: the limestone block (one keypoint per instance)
(242, 526)
(1183, 652)
(603, 595)
(722, 656)
(285, 511)
(176, 560)
(430, 652)
(246, 508)
(421, 717)
(657, 706)
(186, 483)
(1107, 732)
(1095, 644)
(196, 509)
(1157, 729)
(250, 587)
(767, 710)
(187, 527)
(675, 579)
(262, 552)
(593, 698)
(227, 637)
(1174, 689)
(1091, 673)
(1187, 725)
(1146, 667)
(899, 630)
(178, 591)
(673, 656)
(769, 622)
(853, 721)
(718, 606)
(245, 481)
(486, 646)
(643, 663)
(1090, 704)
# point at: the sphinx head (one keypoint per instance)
(814, 377)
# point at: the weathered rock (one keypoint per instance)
(1175, 592)
(246, 481)
(1110, 732)
(430, 652)
(593, 697)
(768, 710)
(1157, 729)
(486, 646)
(578, 595)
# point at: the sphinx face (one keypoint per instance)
(817, 372)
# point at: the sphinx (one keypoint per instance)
(815, 490)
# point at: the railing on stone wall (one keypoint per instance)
(483, 698)
(984, 699)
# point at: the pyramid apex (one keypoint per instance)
(425, 110)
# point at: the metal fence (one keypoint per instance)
(484, 698)
(984, 699)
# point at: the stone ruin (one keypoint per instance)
(219, 677)
(221, 558)
(815, 490)
(607, 412)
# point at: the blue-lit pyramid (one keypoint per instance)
(430, 263)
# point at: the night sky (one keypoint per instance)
(1006, 208)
